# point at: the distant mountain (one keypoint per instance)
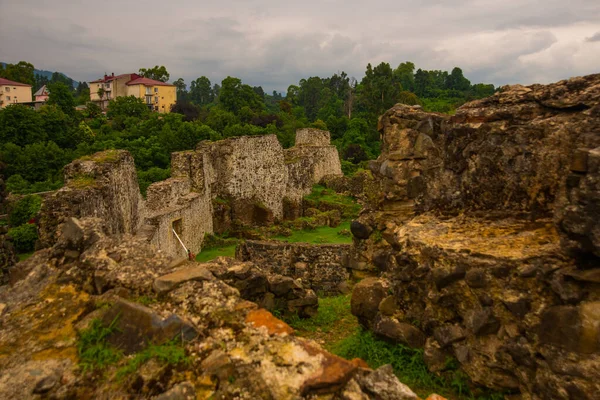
(48, 74)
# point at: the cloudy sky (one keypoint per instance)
(275, 43)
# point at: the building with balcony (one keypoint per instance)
(12, 92)
(158, 96)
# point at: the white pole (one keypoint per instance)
(182, 245)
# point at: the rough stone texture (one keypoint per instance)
(486, 234)
(319, 267)
(8, 258)
(103, 186)
(579, 220)
(234, 182)
(228, 358)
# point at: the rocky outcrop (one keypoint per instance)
(103, 185)
(486, 236)
(319, 267)
(226, 346)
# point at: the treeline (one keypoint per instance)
(24, 72)
(35, 145)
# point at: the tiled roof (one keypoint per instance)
(12, 83)
(148, 82)
(108, 78)
(43, 91)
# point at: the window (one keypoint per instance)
(155, 108)
(7, 97)
(156, 99)
(162, 98)
(178, 226)
(107, 85)
(7, 90)
(155, 90)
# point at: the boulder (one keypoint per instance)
(166, 283)
(366, 297)
(399, 332)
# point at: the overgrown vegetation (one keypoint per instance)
(327, 199)
(36, 145)
(95, 353)
(169, 353)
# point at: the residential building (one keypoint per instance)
(42, 94)
(13, 93)
(158, 96)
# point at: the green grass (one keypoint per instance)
(94, 351)
(170, 353)
(320, 235)
(327, 199)
(214, 252)
(331, 311)
(409, 366)
(24, 256)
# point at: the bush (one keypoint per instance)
(24, 237)
(24, 209)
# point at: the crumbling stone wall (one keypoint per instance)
(172, 205)
(237, 181)
(312, 158)
(486, 238)
(103, 185)
(320, 267)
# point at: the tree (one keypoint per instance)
(21, 72)
(405, 75)
(62, 96)
(21, 125)
(201, 92)
(127, 106)
(182, 93)
(235, 95)
(156, 73)
(189, 110)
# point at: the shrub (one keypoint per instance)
(24, 237)
(24, 209)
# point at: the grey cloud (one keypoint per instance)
(275, 44)
(594, 38)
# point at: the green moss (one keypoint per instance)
(326, 199)
(107, 156)
(82, 181)
(220, 200)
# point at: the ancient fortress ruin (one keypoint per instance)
(487, 239)
(247, 180)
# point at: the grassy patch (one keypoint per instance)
(326, 199)
(94, 351)
(320, 235)
(214, 252)
(107, 156)
(333, 323)
(24, 256)
(409, 366)
(170, 353)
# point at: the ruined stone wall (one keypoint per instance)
(511, 151)
(171, 205)
(320, 267)
(486, 239)
(312, 158)
(103, 185)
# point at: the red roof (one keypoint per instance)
(147, 82)
(12, 83)
(108, 78)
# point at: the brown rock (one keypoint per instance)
(399, 332)
(275, 326)
(166, 283)
(366, 297)
(333, 374)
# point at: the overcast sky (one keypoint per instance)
(275, 43)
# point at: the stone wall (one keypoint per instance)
(320, 267)
(237, 181)
(486, 238)
(103, 185)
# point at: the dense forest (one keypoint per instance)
(36, 145)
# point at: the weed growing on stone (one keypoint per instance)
(169, 353)
(94, 351)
